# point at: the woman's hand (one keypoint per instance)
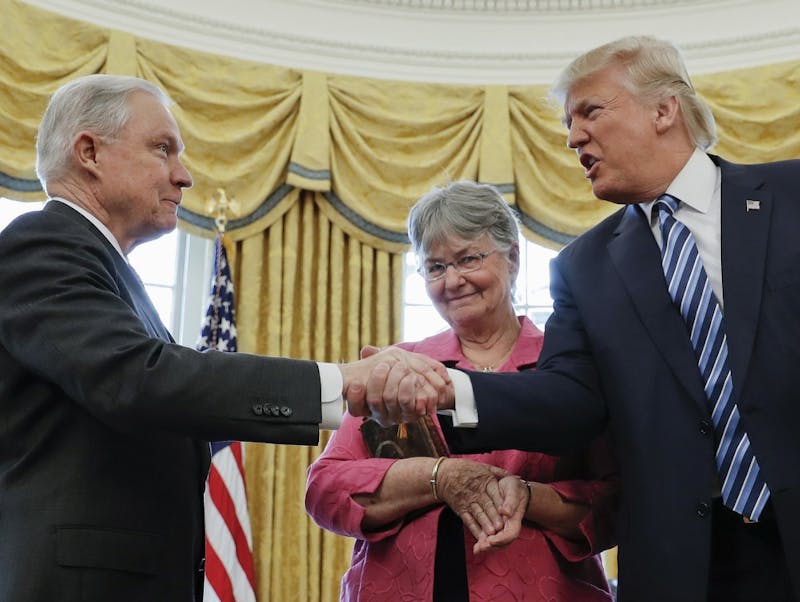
(516, 495)
(473, 492)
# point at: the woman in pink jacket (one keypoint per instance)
(411, 545)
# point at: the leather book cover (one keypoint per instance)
(419, 438)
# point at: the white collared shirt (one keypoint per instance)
(697, 186)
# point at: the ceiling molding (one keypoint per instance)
(429, 41)
(511, 6)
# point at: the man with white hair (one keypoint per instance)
(676, 322)
(104, 420)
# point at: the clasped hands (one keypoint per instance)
(490, 502)
(393, 386)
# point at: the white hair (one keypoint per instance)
(464, 209)
(654, 69)
(96, 103)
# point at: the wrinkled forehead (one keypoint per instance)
(151, 115)
(447, 246)
(598, 86)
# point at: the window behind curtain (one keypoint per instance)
(532, 298)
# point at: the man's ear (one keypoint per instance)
(85, 149)
(667, 110)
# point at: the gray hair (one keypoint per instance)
(655, 69)
(96, 103)
(466, 210)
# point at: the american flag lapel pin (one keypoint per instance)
(751, 205)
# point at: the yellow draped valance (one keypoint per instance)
(371, 147)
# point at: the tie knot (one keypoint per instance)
(667, 203)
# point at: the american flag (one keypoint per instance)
(229, 545)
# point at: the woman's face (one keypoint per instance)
(465, 300)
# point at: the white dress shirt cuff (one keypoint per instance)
(465, 414)
(331, 384)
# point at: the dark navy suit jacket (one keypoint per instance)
(104, 422)
(616, 351)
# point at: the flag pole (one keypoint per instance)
(229, 571)
(219, 208)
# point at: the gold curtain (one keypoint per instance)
(306, 289)
(324, 168)
(371, 146)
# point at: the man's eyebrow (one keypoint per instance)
(174, 142)
(577, 107)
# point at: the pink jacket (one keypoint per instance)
(397, 564)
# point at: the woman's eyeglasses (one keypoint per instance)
(463, 265)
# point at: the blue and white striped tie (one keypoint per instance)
(743, 489)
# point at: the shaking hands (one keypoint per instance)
(393, 385)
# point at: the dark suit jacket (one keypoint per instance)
(616, 350)
(104, 422)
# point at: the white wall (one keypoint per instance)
(490, 41)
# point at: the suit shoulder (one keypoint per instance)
(597, 235)
(790, 165)
(780, 175)
(56, 225)
(772, 172)
(47, 239)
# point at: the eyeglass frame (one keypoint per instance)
(421, 270)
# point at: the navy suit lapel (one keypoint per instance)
(129, 278)
(636, 256)
(746, 213)
(142, 304)
(155, 327)
(136, 295)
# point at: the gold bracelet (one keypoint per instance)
(434, 474)
(530, 492)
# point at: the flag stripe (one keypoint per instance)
(228, 546)
(227, 492)
(216, 577)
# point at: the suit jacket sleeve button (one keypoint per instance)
(275, 410)
(286, 411)
(258, 409)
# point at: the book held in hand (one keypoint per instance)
(419, 438)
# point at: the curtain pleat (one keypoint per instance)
(757, 111)
(39, 51)
(317, 293)
(390, 142)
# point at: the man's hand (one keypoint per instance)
(394, 385)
